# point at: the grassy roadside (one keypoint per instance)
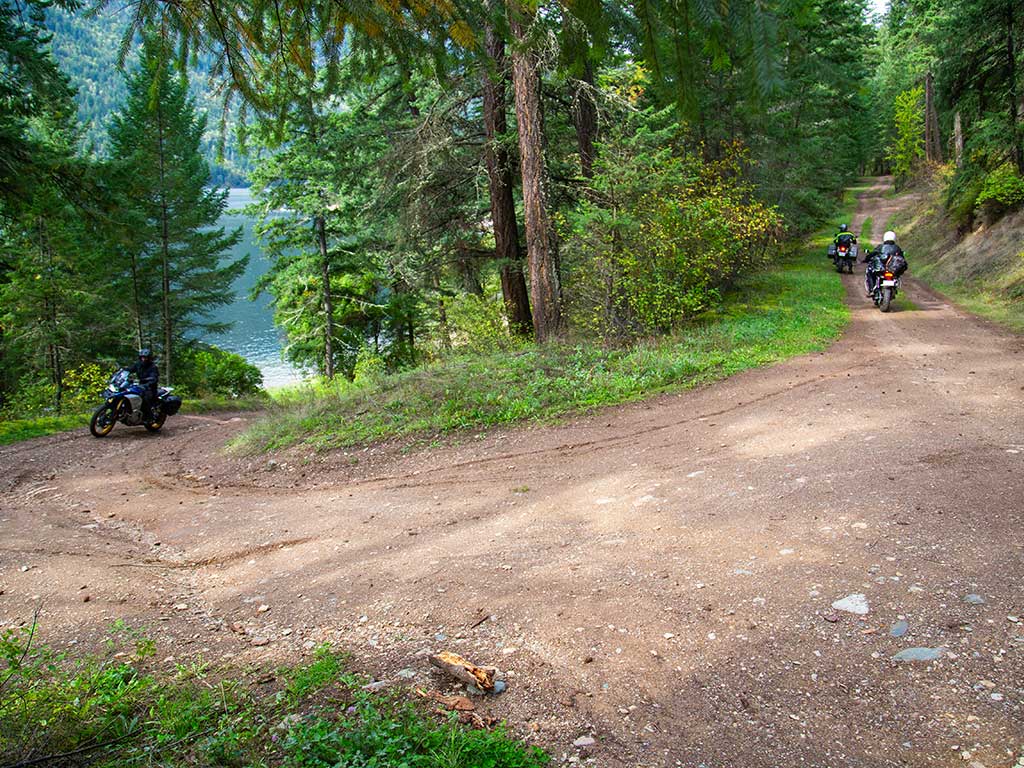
(793, 308)
(16, 430)
(113, 709)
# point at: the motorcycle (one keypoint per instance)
(843, 256)
(846, 255)
(887, 285)
(123, 403)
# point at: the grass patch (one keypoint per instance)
(984, 300)
(794, 308)
(866, 231)
(16, 430)
(107, 710)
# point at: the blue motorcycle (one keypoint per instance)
(123, 403)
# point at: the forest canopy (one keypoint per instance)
(438, 177)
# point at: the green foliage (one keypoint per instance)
(794, 308)
(370, 366)
(208, 370)
(112, 712)
(477, 324)
(658, 233)
(907, 148)
(88, 48)
(171, 247)
(1003, 189)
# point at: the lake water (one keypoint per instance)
(253, 335)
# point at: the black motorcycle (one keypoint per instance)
(882, 277)
(843, 256)
(123, 403)
(887, 285)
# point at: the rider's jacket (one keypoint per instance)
(147, 373)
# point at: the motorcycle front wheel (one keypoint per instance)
(103, 420)
(154, 426)
(886, 299)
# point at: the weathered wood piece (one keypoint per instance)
(466, 671)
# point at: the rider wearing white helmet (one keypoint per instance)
(879, 258)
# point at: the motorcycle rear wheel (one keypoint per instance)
(154, 426)
(886, 299)
(102, 421)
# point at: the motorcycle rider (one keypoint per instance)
(149, 376)
(845, 237)
(879, 258)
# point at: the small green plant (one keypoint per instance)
(369, 366)
(109, 711)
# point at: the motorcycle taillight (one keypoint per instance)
(888, 275)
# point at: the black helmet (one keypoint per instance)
(843, 227)
(145, 354)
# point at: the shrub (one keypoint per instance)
(369, 366)
(478, 324)
(1002, 189)
(207, 370)
(659, 233)
(83, 385)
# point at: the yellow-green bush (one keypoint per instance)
(659, 233)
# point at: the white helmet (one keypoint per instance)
(889, 237)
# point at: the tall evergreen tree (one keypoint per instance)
(176, 250)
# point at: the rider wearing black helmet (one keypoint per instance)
(845, 236)
(149, 375)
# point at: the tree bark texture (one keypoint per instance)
(499, 181)
(584, 119)
(541, 246)
(325, 275)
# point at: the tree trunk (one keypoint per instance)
(50, 306)
(958, 139)
(1011, 68)
(541, 247)
(442, 314)
(932, 142)
(325, 275)
(166, 285)
(499, 181)
(584, 119)
(469, 272)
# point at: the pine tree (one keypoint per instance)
(175, 249)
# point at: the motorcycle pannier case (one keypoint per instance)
(832, 251)
(171, 404)
(897, 264)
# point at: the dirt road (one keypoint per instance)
(659, 576)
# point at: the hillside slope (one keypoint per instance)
(86, 49)
(983, 271)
